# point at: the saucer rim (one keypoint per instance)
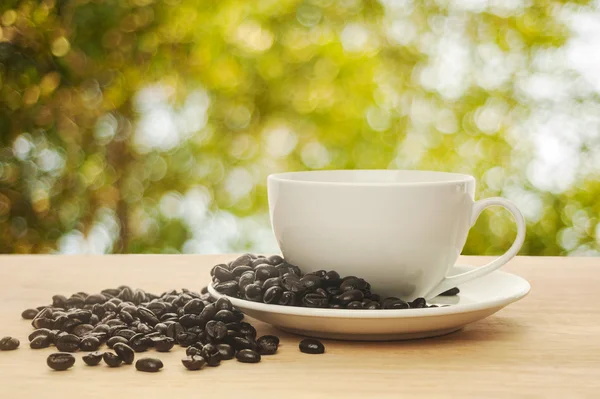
(384, 313)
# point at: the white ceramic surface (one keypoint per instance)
(477, 300)
(400, 230)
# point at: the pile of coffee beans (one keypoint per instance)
(272, 280)
(132, 321)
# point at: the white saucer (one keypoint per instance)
(477, 299)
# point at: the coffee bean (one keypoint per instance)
(195, 362)
(147, 316)
(273, 294)
(113, 340)
(350, 296)
(264, 272)
(227, 352)
(315, 301)
(397, 304)
(354, 305)
(93, 358)
(82, 330)
(239, 270)
(244, 260)
(186, 338)
(193, 351)
(216, 329)
(267, 344)
(140, 343)
(60, 361)
(225, 316)
(451, 292)
(331, 278)
(418, 303)
(311, 346)
(94, 299)
(174, 329)
(253, 292)
(36, 333)
(29, 314)
(111, 359)
(248, 356)
(42, 322)
(288, 298)
(211, 354)
(68, 343)
(310, 282)
(229, 288)
(223, 304)
(223, 274)
(245, 280)
(149, 365)
(190, 320)
(242, 343)
(274, 260)
(195, 307)
(40, 342)
(59, 301)
(163, 344)
(124, 352)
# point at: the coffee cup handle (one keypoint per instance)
(478, 207)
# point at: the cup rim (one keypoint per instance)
(295, 177)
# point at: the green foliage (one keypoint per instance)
(116, 110)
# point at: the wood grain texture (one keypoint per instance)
(545, 346)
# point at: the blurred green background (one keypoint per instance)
(151, 125)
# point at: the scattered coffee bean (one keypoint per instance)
(248, 356)
(39, 342)
(163, 344)
(125, 353)
(29, 314)
(89, 344)
(148, 365)
(93, 358)
(195, 362)
(68, 343)
(111, 359)
(227, 352)
(211, 354)
(60, 361)
(267, 344)
(311, 346)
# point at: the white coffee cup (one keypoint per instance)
(400, 230)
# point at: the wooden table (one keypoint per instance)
(547, 345)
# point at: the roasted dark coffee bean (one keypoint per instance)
(69, 325)
(126, 317)
(272, 282)
(253, 292)
(195, 306)
(144, 328)
(258, 262)
(89, 344)
(60, 361)
(223, 304)
(125, 352)
(208, 313)
(29, 314)
(312, 346)
(195, 362)
(216, 330)
(315, 301)
(265, 272)
(353, 283)
(190, 320)
(244, 260)
(245, 280)
(147, 316)
(174, 329)
(140, 343)
(354, 305)
(113, 340)
(288, 298)
(247, 330)
(238, 315)
(169, 317)
(322, 292)
(161, 328)
(82, 330)
(334, 291)
(211, 354)
(193, 351)
(248, 356)
(331, 279)
(225, 316)
(240, 343)
(139, 296)
(59, 301)
(273, 295)
(451, 292)
(397, 304)
(40, 342)
(349, 296)
(110, 307)
(227, 352)
(186, 338)
(223, 274)
(163, 344)
(94, 299)
(310, 282)
(92, 359)
(292, 283)
(68, 343)
(375, 297)
(274, 260)
(126, 294)
(267, 344)
(371, 305)
(42, 322)
(229, 288)
(418, 303)
(112, 359)
(80, 314)
(36, 333)
(239, 270)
